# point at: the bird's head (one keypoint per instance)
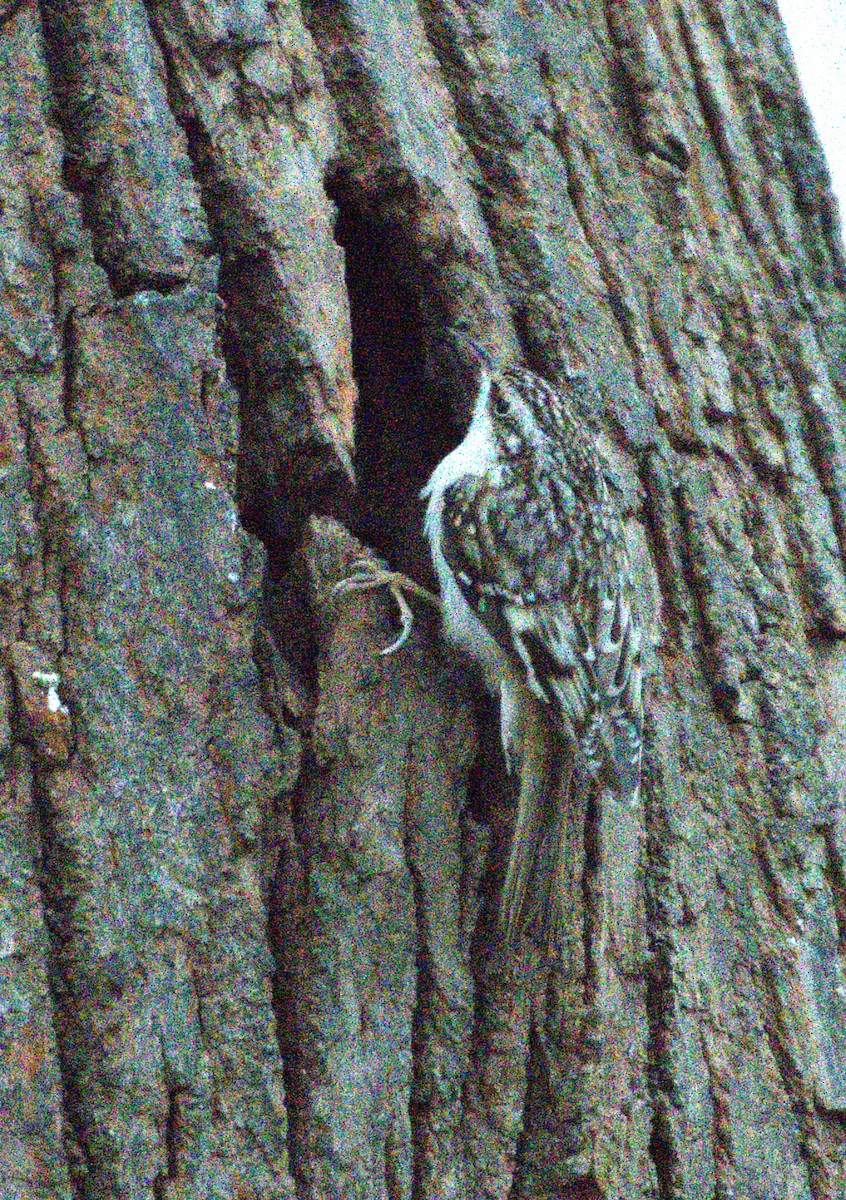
(519, 408)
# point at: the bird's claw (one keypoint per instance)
(368, 574)
(406, 619)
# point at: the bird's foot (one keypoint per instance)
(369, 573)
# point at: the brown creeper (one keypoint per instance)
(536, 585)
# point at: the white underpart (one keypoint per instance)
(510, 721)
(476, 455)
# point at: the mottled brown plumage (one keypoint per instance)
(535, 581)
(536, 584)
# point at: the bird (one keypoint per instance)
(536, 585)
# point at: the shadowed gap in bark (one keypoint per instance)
(403, 427)
(659, 992)
(57, 924)
(836, 876)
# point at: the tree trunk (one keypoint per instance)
(250, 868)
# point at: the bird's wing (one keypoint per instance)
(578, 650)
(581, 655)
(585, 658)
(578, 653)
(612, 737)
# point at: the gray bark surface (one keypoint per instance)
(249, 868)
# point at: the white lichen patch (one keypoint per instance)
(47, 679)
(51, 680)
(8, 943)
(54, 703)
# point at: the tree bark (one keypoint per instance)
(249, 868)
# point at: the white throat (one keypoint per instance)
(476, 455)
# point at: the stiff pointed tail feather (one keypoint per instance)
(531, 900)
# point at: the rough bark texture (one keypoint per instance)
(249, 868)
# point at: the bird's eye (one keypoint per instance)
(498, 401)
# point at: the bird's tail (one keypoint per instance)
(535, 881)
(549, 885)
